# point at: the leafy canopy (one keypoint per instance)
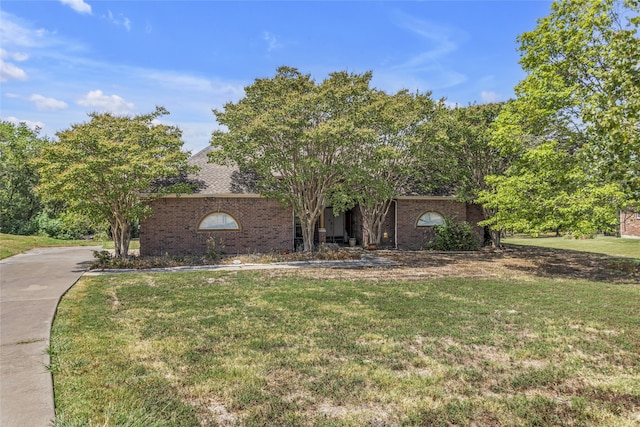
(106, 168)
(19, 204)
(298, 136)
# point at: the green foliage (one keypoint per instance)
(574, 127)
(453, 236)
(388, 161)
(457, 152)
(582, 89)
(545, 190)
(298, 136)
(19, 204)
(107, 168)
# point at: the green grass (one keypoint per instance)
(11, 245)
(268, 348)
(602, 245)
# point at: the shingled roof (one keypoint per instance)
(217, 179)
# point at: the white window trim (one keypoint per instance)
(433, 224)
(232, 225)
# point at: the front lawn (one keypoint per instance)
(11, 245)
(613, 246)
(294, 348)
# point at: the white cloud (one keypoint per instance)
(121, 21)
(8, 71)
(13, 33)
(29, 123)
(16, 56)
(78, 5)
(47, 104)
(489, 96)
(272, 41)
(111, 103)
(427, 68)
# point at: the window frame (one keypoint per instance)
(238, 227)
(418, 225)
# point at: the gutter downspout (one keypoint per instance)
(395, 206)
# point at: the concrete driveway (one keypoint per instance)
(31, 285)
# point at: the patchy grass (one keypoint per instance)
(602, 245)
(283, 348)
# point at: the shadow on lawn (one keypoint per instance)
(516, 260)
(562, 263)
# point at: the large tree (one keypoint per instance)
(458, 154)
(389, 160)
(19, 204)
(547, 189)
(106, 169)
(582, 88)
(299, 137)
(575, 121)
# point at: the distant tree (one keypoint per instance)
(299, 137)
(19, 204)
(107, 168)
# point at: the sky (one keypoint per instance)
(63, 59)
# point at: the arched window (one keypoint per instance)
(218, 221)
(430, 219)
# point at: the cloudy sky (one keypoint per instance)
(61, 59)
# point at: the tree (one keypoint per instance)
(582, 88)
(547, 189)
(299, 137)
(19, 204)
(458, 146)
(388, 161)
(106, 169)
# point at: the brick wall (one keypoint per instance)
(172, 230)
(410, 210)
(629, 224)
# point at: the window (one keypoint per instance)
(430, 219)
(218, 221)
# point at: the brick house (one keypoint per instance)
(228, 211)
(630, 224)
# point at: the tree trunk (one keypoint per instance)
(121, 233)
(496, 238)
(372, 220)
(308, 228)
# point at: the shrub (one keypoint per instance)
(453, 237)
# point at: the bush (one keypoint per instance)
(453, 237)
(64, 227)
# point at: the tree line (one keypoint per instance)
(562, 155)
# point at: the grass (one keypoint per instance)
(602, 245)
(11, 245)
(275, 348)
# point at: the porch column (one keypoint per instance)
(322, 232)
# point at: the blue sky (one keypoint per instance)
(63, 59)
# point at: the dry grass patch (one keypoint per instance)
(329, 347)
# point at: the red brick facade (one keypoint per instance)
(266, 226)
(409, 210)
(173, 228)
(630, 224)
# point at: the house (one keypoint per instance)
(630, 224)
(227, 211)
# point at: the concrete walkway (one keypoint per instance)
(31, 285)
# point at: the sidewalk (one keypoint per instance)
(31, 285)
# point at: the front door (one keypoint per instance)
(335, 226)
